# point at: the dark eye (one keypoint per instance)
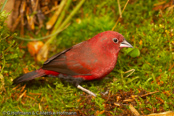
(115, 40)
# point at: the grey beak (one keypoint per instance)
(125, 44)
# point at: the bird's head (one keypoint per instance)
(110, 40)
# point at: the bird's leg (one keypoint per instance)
(86, 90)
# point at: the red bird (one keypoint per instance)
(88, 60)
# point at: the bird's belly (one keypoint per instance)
(102, 72)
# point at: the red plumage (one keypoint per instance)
(88, 60)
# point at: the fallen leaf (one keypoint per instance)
(34, 47)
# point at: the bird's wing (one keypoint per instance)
(55, 56)
(59, 63)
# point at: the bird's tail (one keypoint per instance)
(29, 76)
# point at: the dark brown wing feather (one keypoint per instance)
(58, 63)
(55, 56)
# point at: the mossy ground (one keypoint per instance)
(150, 31)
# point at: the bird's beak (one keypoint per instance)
(125, 44)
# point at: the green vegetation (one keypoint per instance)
(150, 32)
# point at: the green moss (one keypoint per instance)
(144, 28)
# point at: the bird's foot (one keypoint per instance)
(86, 90)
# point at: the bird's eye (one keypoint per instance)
(115, 40)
